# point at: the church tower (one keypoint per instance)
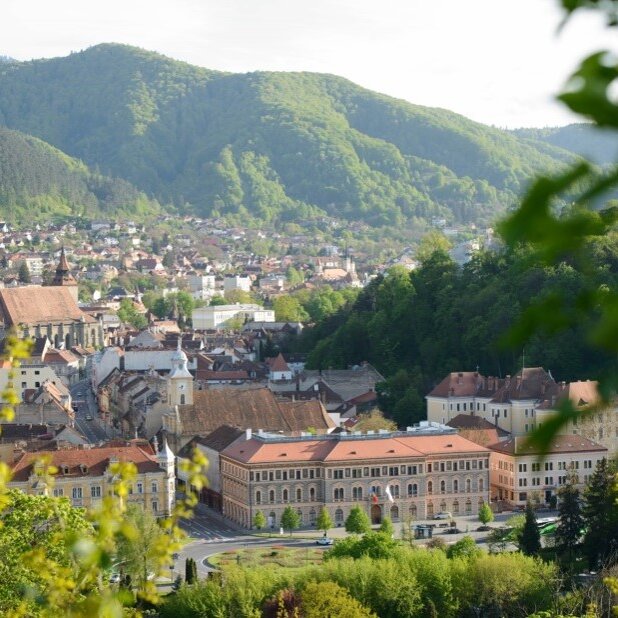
(179, 380)
(63, 276)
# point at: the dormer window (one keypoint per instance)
(65, 469)
(83, 468)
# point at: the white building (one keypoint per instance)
(520, 472)
(209, 318)
(237, 282)
(202, 286)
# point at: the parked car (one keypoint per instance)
(324, 540)
(88, 417)
(443, 515)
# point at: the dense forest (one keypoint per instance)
(276, 146)
(37, 180)
(418, 326)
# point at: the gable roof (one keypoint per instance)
(40, 305)
(95, 460)
(250, 408)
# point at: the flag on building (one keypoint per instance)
(374, 498)
(388, 493)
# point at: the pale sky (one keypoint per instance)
(496, 61)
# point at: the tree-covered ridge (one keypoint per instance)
(273, 145)
(416, 327)
(584, 139)
(38, 180)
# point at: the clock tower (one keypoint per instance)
(179, 380)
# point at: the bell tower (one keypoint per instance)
(63, 276)
(179, 380)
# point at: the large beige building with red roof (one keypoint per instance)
(521, 403)
(84, 475)
(405, 475)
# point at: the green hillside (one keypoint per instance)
(586, 140)
(38, 181)
(276, 145)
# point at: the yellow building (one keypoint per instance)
(84, 475)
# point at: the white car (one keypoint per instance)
(443, 515)
(324, 540)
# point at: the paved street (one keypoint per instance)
(85, 404)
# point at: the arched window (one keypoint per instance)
(299, 494)
(395, 513)
(312, 517)
(481, 484)
(413, 511)
(182, 399)
(430, 509)
(443, 506)
(312, 494)
(273, 518)
(285, 496)
(338, 494)
(258, 497)
(455, 486)
(442, 487)
(468, 486)
(271, 495)
(395, 491)
(468, 506)
(357, 493)
(456, 507)
(429, 487)
(338, 516)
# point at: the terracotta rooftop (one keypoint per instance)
(95, 460)
(519, 445)
(40, 305)
(278, 363)
(332, 450)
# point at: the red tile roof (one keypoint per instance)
(96, 460)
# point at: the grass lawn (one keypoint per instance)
(275, 554)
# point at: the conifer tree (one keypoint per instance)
(530, 537)
(601, 515)
(571, 522)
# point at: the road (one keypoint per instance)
(84, 401)
(213, 534)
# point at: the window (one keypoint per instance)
(271, 496)
(58, 492)
(523, 467)
(285, 495)
(338, 474)
(357, 493)
(338, 494)
(140, 488)
(412, 489)
(77, 493)
(455, 486)
(312, 494)
(154, 487)
(258, 497)
(278, 475)
(442, 487)
(338, 516)
(155, 506)
(429, 487)
(95, 491)
(299, 494)
(468, 485)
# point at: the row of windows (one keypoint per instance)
(285, 475)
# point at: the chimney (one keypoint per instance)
(248, 433)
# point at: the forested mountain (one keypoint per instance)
(416, 327)
(37, 180)
(586, 140)
(276, 145)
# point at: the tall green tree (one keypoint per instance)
(324, 521)
(357, 521)
(530, 537)
(290, 519)
(137, 556)
(386, 526)
(259, 520)
(600, 514)
(24, 273)
(486, 515)
(571, 521)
